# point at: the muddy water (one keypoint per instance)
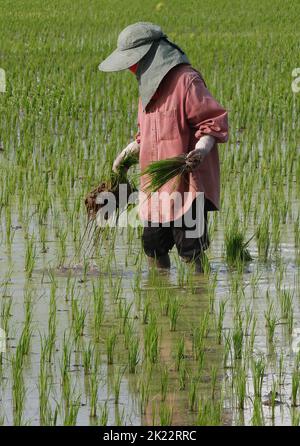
(195, 302)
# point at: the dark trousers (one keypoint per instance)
(158, 241)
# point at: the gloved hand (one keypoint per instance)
(202, 148)
(132, 149)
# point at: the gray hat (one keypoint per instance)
(134, 42)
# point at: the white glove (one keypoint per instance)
(132, 149)
(202, 148)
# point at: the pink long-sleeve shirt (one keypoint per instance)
(181, 111)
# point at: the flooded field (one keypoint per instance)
(89, 334)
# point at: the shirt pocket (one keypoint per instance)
(167, 125)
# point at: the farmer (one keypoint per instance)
(176, 115)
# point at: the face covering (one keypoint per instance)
(153, 67)
(133, 68)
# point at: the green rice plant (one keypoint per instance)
(6, 307)
(165, 414)
(133, 353)
(193, 389)
(236, 251)
(164, 297)
(258, 370)
(30, 256)
(182, 375)
(179, 353)
(273, 395)
(295, 417)
(44, 395)
(263, 238)
(271, 322)
(103, 419)
(209, 413)
(295, 384)
(160, 172)
(198, 342)
(71, 412)
(214, 377)
(144, 392)
(146, 310)
(281, 371)
(98, 313)
(204, 324)
(240, 383)
(164, 383)
(78, 323)
(18, 389)
(220, 320)
(287, 310)
(174, 309)
(118, 375)
(88, 354)
(94, 386)
(110, 346)
(257, 415)
(151, 340)
(124, 309)
(238, 340)
(129, 330)
(119, 416)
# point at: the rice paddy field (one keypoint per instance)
(93, 336)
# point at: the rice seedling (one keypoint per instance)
(295, 383)
(236, 250)
(151, 340)
(182, 375)
(271, 322)
(263, 238)
(193, 387)
(174, 308)
(98, 313)
(219, 322)
(238, 339)
(18, 389)
(240, 383)
(118, 375)
(158, 173)
(164, 383)
(165, 414)
(144, 392)
(110, 346)
(209, 413)
(133, 353)
(30, 256)
(88, 354)
(257, 415)
(179, 353)
(71, 412)
(94, 386)
(258, 370)
(103, 419)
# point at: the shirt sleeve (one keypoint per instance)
(204, 113)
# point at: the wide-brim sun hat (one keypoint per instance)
(133, 44)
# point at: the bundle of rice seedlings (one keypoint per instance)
(162, 171)
(236, 248)
(111, 185)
